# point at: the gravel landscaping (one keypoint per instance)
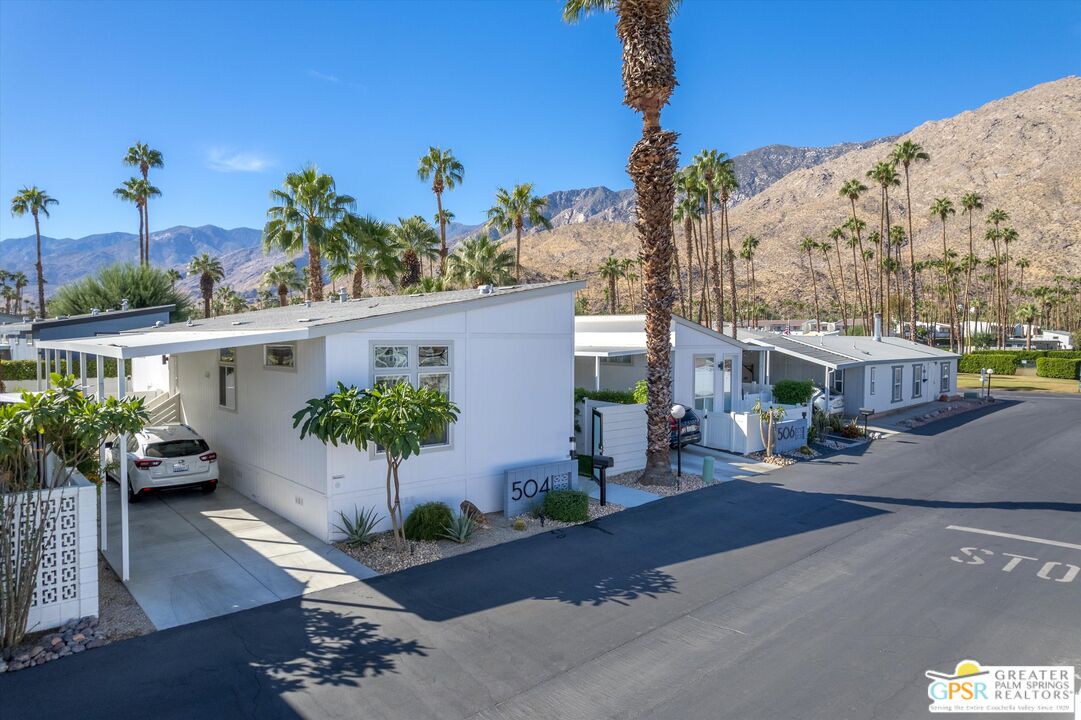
(687, 483)
(952, 407)
(384, 556)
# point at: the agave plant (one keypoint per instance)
(461, 528)
(358, 530)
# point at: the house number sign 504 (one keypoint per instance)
(526, 487)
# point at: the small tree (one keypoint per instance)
(43, 438)
(396, 419)
(768, 419)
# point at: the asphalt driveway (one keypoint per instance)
(822, 590)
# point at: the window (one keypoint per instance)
(944, 377)
(704, 388)
(917, 380)
(897, 371)
(838, 382)
(176, 448)
(618, 360)
(227, 378)
(421, 365)
(280, 357)
(873, 380)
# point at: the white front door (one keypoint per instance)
(708, 402)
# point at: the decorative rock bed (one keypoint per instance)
(687, 483)
(953, 407)
(72, 638)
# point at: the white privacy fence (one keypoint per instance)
(624, 433)
(67, 582)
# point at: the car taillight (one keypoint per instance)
(671, 423)
(209, 457)
(144, 464)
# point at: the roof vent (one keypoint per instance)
(486, 289)
(307, 302)
(159, 323)
(124, 304)
(342, 296)
(191, 323)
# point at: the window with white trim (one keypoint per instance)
(873, 379)
(898, 372)
(944, 377)
(917, 380)
(280, 356)
(704, 387)
(419, 364)
(227, 378)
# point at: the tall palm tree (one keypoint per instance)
(708, 166)
(808, 245)
(443, 217)
(996, 218)
(512, 210)
(1027, 314)
(142, 156)
(612, 270)
(885, 175)
(1009, 235)
(445, 172)
(905, 154)
(35, 201)
(726, 185)
(282, 279)
(852, 189)
(942, 208)
(307, 214)
(20, 281)
(480, 261)
(1021, 264)
(210, 271)
(687, 212)
(364, 245)
(417, 241)
(747, 251)
(649, 76)
(970, 203)
(836, 235)
(855, 227)
(897, 240)
(129, 192)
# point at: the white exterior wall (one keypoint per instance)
(512, 376)
(148, 373)
(614, 375)
(882, 399)
(260, 454)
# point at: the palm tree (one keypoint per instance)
(852, 189)
(364, 245)
(708, 166)
(307, 214)
(808, 245)
(144, 157)
(726, 185)
(942, 208)
(837, 235)
(612, 270)
(35, 201)
(282, 279)
(856, 227)
(445, 172)
(1021, 264)
(970, 203)
(443, 217)
(417, 241)
(480, 261)
(995, 218)
(649, 76)
(885, 175)
(19, 279)
(905, 153)
(687, 212)
(210, 271)
(173, 274)
(228, 301)
(750, 245)
(1027, 314)
(513, 209)
(897, 240)
(129, 192)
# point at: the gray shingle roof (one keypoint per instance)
(849, 350)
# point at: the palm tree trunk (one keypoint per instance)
(968, 284)
(146, 231)
(41, 274)
(315, 271)
(731, 265)
(142, 231)
(612, 304)
(688, 232)
(844, 293)
(715, 270)
(679, 274)
(814, 287)
(358, 281)
(518, 254)
(754, 297)
(442, 234)
(912, 261)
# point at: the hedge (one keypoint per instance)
(1002, 363)
(1053, 367)
(1031, 355)
(24, 369)
(567, 505)
(792, 392)
(621, 397)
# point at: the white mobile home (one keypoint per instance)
(505, 358)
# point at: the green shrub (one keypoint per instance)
(428, 521)
(1003, 363)
(520, 524)
(142, 285)
(641, 392)
(792, 392)
(24, 369)
(460, 529)
(1032, 355)
(358, 529)
(567, 505)
(1064, 368)
(982, 339)
(836, 423)
(621, 397)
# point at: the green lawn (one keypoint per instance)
(1027, 383)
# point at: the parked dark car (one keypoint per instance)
(690, 429)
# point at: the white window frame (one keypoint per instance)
(223, 365)
(873, 368)
(898, 383)
(280, 368)
(412, 373)
(712, 397)
(838, 387)
(917, 380)
(944, 377)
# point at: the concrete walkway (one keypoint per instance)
(726, 466)
(618, 494)
(196, 556)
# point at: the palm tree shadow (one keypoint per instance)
(648, 582)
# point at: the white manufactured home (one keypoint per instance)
(505, 357)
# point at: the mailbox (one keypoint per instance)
(603, 462)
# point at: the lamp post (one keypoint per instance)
(678, 411)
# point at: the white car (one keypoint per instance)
(165, 456)
(837, 402)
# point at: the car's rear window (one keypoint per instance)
(176, 448)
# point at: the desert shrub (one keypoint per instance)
(567, 505)
(1002, 363)
(428, 521)
(1053, 367)
(460, 529)
(621, 397)
(519, 524)
(836, 423)
(792, 392)
(358, 528)
(852, 430)
(141, 285)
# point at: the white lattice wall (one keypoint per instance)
(67, 585)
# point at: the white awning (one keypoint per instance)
(599, 351)
(145, 344)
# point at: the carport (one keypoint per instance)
(196, 555)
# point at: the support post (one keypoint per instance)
(597, 373)
(82, 371)
(121, 448)
(69, 369)
(103, 495)
(37, 367)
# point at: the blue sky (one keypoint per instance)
(235, 95)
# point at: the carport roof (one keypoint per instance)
(293, 322)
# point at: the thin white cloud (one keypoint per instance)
(227, 160)
(324, 77)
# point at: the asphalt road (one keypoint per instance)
(824, 590)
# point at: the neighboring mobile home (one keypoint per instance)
(504, 355)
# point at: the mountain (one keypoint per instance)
(1021, 153)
